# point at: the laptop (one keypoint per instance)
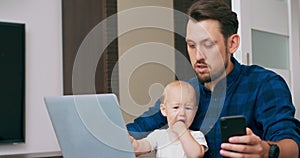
(89, 126)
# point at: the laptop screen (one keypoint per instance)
(89, 126)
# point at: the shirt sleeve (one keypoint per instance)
(275, 111)
(147, 122)
(200, 138)
(153, 138)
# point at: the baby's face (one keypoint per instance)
(180, 105)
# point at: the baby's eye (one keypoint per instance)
(189, 108)
(175, 107)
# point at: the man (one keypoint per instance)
(228, 88)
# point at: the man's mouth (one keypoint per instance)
(201, 68)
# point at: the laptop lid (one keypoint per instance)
(89, 126)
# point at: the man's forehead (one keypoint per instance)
(201, 31)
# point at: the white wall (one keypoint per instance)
(43, 69)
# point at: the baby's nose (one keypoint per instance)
(182, 111)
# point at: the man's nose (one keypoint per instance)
(199, 54)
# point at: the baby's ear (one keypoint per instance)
(163, 109)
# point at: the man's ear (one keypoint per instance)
(233, 43)
(163, 109)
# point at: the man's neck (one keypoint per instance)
(211, 85)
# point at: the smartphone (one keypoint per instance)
(232, 126)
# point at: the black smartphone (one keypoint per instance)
(232, 126)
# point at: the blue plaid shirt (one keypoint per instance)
(259, 94)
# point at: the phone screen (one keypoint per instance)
(232, 126)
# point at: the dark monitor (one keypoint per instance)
(12, 82)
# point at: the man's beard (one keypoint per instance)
(206, 78)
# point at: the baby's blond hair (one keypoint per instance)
(179, 84)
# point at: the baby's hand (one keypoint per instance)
(179, 128)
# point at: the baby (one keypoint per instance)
(179, 105)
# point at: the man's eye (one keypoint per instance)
(191, 45)
(175, 107)
(209, 44)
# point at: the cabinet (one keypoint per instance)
(79, 17)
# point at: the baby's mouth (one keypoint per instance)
(182, 120)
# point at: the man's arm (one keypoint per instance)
(251, 145)
(274, 113)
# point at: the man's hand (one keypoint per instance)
(248, 145)
(131, 139)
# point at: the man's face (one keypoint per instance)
(207, 50)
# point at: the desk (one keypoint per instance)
(35, 155)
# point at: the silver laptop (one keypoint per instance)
(89, 126)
